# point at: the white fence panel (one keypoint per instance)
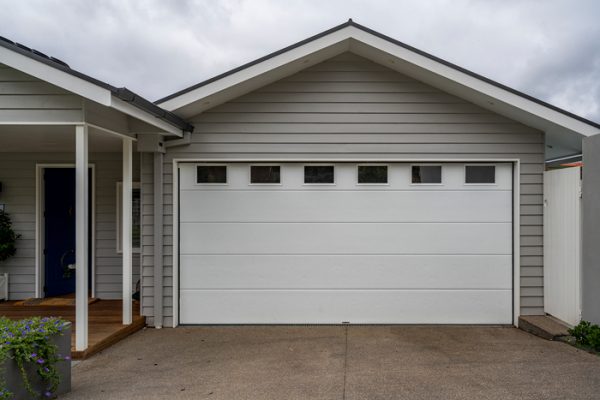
(562, 244)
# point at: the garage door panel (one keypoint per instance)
(354, 306)
(344, 252)
(344, 271)
(345, 238)
(399, 177)
(358, 206)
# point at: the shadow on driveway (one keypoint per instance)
(338, 362)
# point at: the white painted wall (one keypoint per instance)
(562, 244)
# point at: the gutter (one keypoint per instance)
(564, 158)
(151, 108)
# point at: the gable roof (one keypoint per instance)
(392, 53)
(122, 94)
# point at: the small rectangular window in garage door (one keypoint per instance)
(265, 174)
(319, 174)
(211, 174)
(372, 174)
(426, 174)
(480, 174)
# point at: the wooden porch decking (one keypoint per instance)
(105, 322)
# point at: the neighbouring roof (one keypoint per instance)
(558, 124)
(121, 93)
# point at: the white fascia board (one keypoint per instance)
(55, 76)
(426, 64)
(135, 112)
(257, 69)
(473, 83)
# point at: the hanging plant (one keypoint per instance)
(8, 237)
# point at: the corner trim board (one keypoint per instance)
(158, 239)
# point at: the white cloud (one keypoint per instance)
(545, 48)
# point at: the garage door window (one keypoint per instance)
(265, 174)
(427, 174)
(480, 174)
(211, 174)
(318, 174)
(372, 174)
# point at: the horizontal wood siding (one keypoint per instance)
(349, 107)
(18, 177)
(24, 98)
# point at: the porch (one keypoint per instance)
(105, 324)
(69, 159)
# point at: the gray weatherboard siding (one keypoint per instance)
(17, 174)
(25, 98)
(349, 107)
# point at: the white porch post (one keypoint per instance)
(126, 234)
(81, 237)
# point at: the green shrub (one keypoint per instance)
(594, 338)
(587, 334)
(581, 331)
(8, 237)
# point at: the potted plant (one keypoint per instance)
(8, 237)
(34, 358)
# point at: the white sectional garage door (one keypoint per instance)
(399, 252)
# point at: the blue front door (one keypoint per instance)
(59, 232)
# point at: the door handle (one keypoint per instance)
(68, 269)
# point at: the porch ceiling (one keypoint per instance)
(53, 139)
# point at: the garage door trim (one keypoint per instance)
(516, 221)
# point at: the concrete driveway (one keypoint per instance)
(337, 362)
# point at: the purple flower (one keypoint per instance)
(48, 394)
(67, 357)
(33, 355)
(40, 361)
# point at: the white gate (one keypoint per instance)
(562, 244)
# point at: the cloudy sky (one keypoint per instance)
(547, 48)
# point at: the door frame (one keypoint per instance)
(516, 209)
(40, 228)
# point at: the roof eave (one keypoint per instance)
(357, 35)
(84, 85)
